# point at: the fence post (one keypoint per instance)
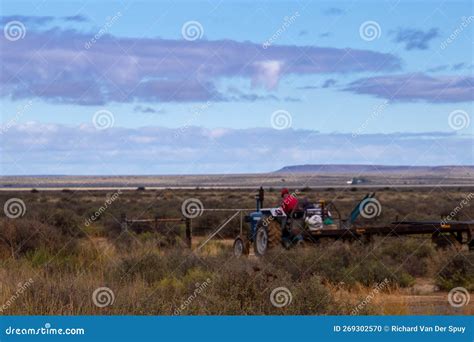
(241, 223)
(188, 232)
(123, 222)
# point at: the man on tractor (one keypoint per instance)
(289, 201)
(289, 205)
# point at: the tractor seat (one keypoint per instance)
(297, 214)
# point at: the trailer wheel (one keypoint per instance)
(267, 237)
(241, 247)
(444, 240)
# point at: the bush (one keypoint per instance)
(65, 220)
(459, 271)
(347, 263)
(412, 255)
(372, 272)
(19, 236)
(312, 298)
(150, 268)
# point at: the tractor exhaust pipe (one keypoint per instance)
(259, 198)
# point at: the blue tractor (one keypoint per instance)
(272, 227)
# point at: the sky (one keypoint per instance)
(174, 87)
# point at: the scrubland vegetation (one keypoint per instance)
(52, 261)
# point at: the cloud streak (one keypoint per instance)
(415, 87)
(55, 66)
(334, 11)
(38, 21)
(415, 39)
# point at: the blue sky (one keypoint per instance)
(364, 75)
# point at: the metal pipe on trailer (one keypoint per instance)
(401, 228)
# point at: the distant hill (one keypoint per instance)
(367, 169)
(297, 176)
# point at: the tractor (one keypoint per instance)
(272, 227)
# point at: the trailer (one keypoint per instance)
(442, 234)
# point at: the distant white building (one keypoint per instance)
(355, 181)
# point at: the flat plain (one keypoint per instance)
(69, 243)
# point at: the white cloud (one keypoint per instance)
(268, 74)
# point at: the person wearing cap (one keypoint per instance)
(289, 201)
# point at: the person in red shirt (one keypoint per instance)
(289, 201)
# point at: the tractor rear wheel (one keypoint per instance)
(274, 234)
(267, 237)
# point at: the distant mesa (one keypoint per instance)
(371, 169)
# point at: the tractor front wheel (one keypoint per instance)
(241, 247)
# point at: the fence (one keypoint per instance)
(158, 225)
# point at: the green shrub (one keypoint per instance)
(65, 220)
(20, 236)
(312, 298)
(412, 255)
(150, 267)
(372, 272)
(458, 271)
